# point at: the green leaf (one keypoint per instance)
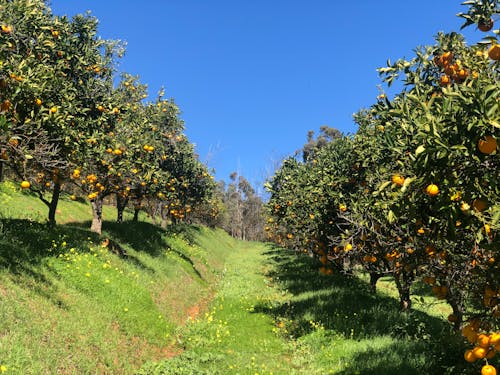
(494, 123)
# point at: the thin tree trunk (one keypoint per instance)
(96, 226)
(457, 304)
(403, 283)
(136, 215)
(1, 171)
(121, 204)
(53, 204)
(374, 276)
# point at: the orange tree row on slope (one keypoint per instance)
(64, 126)
(414, 193)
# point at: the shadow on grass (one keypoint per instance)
(344, 304)
(23, 246)
(25, 243)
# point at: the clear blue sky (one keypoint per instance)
(251, 77)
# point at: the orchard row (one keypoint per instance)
(415, 192)
(69, 125)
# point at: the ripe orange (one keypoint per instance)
(483, 340)
(342, 208)
(92, 195)
(25, 184)
(485, 25)
(117, 151)
(443, 60)
(348, 247)
(469, 356)
(55, 33)
(462, 74)
(495, 338)
(494, 52)
(38, 101)
(53, 110)
(487, 145)
(6, 29)
(479, 352)
(444, 80)
(5, 105)
(398, 180)
(488, 370)
(432, 190)
(479, 205)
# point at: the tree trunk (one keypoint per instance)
(53, 204)
(96, 226)
(164, 216)
(1, 171)
(374, 276)
(403, 283)
(136, 215)
(121, 204)
(456, 301)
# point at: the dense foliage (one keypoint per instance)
(414, 193)
(66, 128)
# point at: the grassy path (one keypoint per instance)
(233, 337)
(275, 314)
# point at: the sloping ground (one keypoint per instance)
(73, 304)
(192, 300)
(275, 314)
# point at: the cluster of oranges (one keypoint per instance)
(452, 68)
(486, 346)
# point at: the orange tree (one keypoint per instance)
(427, 164)
(53, 68)
(188, 182)
(108, 163)
(307, 203)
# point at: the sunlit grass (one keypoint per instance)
(211, 304)
(69, 304)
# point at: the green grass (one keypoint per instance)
(70, 305)
(275, 314)
(191, 300)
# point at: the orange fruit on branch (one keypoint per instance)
(483, 340)
(6, 29)
(479, 205)
(487, 145)
(25, 184)
(5, 105)
(479, 352)
(444, 80)
(469, 356)
(485, 25)
(432, 190)
(494, 52)
(488, 370)
(398, 180)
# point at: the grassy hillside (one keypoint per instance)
(69, 304)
